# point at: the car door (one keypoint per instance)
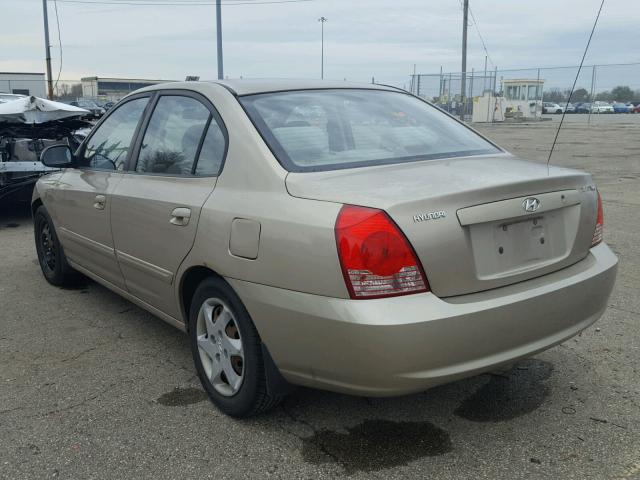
(156, 206)
(83, 206)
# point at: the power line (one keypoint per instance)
(475, 24)
(173, 3)
(484, 46)
(564, 110)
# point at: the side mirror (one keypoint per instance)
(57, 156)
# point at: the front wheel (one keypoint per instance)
(53, 263)
(227, 351)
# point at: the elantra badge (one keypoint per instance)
(422, 217)
(531, 204)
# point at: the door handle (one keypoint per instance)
(180, 216)
(99, 202)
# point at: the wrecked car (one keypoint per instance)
(27, 126)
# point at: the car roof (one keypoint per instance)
(254, 86)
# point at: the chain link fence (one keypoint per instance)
(596, 83)
(612, 83)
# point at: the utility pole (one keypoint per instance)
(47, 49)
(322, 20)
(463, 87)
(219, 38)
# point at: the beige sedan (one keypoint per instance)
(347, 237)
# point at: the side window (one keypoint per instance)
(171, 141)
(107, 148)
(212, 151)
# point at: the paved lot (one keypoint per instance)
(93, 387)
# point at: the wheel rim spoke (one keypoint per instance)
(223, 318)
(232, 377)
(208, 317)
(212, 365)
(205, 345)
(233, 346)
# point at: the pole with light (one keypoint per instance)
(322, 20)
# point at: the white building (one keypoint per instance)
(23, 83)
(113, 89)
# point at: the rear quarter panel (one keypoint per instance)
(296, 250)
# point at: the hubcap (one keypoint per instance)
(48, 247)
(220, 347)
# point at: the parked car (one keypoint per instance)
(96, 111)
(548, 107)
(340, 236)
(569, 108)
(636, 108)
(584, 107)
(601, 107)
(621, 108)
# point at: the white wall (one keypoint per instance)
(34, 83)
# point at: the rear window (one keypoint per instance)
(317, 130)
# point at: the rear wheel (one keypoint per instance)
(53, 263)
(227, 351)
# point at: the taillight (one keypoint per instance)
(597, 233)
(376, 258)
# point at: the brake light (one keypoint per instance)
(597, 233)
(376, 258)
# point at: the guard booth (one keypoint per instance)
(521, 99)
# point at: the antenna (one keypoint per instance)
(564, 112)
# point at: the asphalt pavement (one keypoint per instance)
(93, 387)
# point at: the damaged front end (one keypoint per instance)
(27, 126)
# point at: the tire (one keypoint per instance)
(53, 263)
(227, 351)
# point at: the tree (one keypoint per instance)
(622, 94)
(76, 90)
(555, 96)
(579, 95)
(605, 96)
(62, 90)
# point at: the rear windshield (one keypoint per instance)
(312, 130)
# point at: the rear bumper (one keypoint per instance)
(384, 347)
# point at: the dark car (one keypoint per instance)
(96, 111)
(584, 107)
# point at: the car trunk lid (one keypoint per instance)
(466, 217)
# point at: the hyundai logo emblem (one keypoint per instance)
(531, 204)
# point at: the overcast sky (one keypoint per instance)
(363, 38)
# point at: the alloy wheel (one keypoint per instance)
(220, 346)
